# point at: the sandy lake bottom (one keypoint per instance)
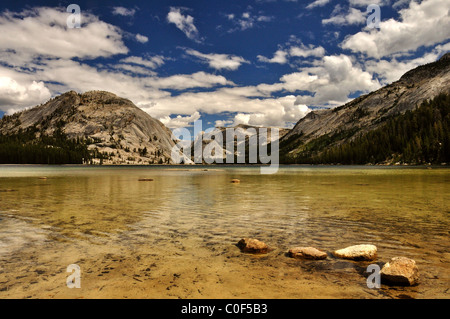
(175, 236)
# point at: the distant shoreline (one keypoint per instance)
(212, 166)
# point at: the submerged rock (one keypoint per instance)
(145, 179)
(400, 270)
(307, 253)
(235, 181)
(357, 252)
(251, 245)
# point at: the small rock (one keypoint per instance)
(251, 245)
(43, 177)
(307, 253)
(7, 190)
(357, 252)
(235, 181)
(400, 270)
(145, 180)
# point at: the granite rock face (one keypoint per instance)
(369, 111)
(113, 124)
(246, 137)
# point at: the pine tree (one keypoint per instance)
(419, 136)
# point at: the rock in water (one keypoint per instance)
(251, 245)
(235, 181)
(401, 271)
(357, 252)
(307, 253)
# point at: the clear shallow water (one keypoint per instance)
(131, 238)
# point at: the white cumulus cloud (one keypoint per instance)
(141, 38)
(279, 57)
(317, 3)
(282, 55)
(180, 121)
(421, 24)
(43, 32)
(340, 16)
(123, 11)
(219, 61)
(14, 95)
(185, 23)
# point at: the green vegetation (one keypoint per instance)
(291, 143)
(143, 152)
(415, 137)
(33, 147)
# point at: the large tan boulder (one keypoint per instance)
(251, 245)
(400, 270)
(357, 252)
(307, 253)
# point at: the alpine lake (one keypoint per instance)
(171, 231)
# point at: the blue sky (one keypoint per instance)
(258, 62)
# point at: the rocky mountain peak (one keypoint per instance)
(369, 111)
(104, 98)
(429, 70)
(445, 56)
(114, 125)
